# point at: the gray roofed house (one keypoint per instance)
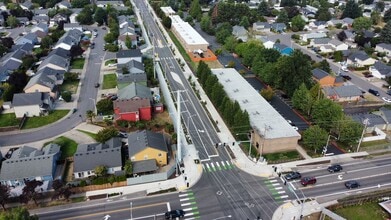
(64, 4)
(23, 20)
(55, 62)
(27, 5)
(43, 27)
(12, 60)
(133, 67)
(140, 141)
(70, 38)
(349, 34)
(27, 163)
(56, 75)
(348, 21)
(380, 70)
(144, 166)
(368, 34)
(278, 27)
(360, 59)
(344, 93)
(26, 48)
(260, 26)
(319, 74)
(72, 26)
(386, 114)
(4, 74)
(40, 19)
(42, 11)
(23, 99)
(89, 156)
(320, 41)
(41, 83)
(61, 52)
(124, 20)
(240, 32)
(135, 90)
(373, 120)
(30, 38)
(124, 56)
(124, 80)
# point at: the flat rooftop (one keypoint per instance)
(263, 117)
(167, 10)
(187, 32)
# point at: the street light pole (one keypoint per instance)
(95, 110)
(362, 135)
(251, 141)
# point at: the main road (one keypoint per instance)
(85, 101)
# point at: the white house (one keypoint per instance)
(70, 38)
(360, 59)
(72, 26)
(384, 48)
(124, 56)
(380, 70)
(31, 104)
(240, 33)
(338, 45)
(326, 49)
(309, 36)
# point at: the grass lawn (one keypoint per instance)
(68, 146)
(70, 86)
(109, 81)
(246, 147)
(363, 212)
(289, 155)
(77, 63)
(112, 61)
(8, 120)
(36, 122)
(88, 133)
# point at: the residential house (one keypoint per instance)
(278, 27)
(334, 22)
(317, 42)
(240, 33)
(4, 74)
(58, 18)
(104, 4)
(42, 27)
(326, 49)
(30, 38)
(61, 52)
(380, 70)
(73, 26)
(144, 167)
(318, 25)
(309, 36)
(360, 59)
(323, 78)
(131, 67)
(90, 156)
(347, 35)
(124, 56)
(26, 48)
(385, 113)
(309, 11)
(135, 91)
(3, 7)
(41, 11)
(384, 48)
(75, 13)
(27, 5)
(127, 32)
(55, 62)
(261, 26)
(40, 19)
(132, 109)
(56, 75)
(28, 163)
(346, 93)
(23, 20)
(32, 104)
(146, 145)
(347, 22)
(267, 43)
(124, 20)
(42, 83)
(338, 45)
(372, 120)
(64, 5)
(70, 38)
(283, 49)
(124, 80)
(12, 60)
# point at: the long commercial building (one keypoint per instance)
(272, 133)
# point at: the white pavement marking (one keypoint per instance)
(184, 194)
(189, 214)
(273, 181)
(278, 188)
(168, 206)
(222, 163)
(284, 196)
(186, 204)
(213, 166)
(203, 166)
(207, 165)
(185, 199)
(204, 160)
(228, 163)
(281, 192)
(217, 163)
(275, 184)
(293, 187)
(189, 218)
(187, 209)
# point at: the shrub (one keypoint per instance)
(67, 96)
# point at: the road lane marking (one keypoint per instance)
(281, 192)
(278, 188)
(182, 195)
(218, 165)
(189, 203)
(209, 169)
(168, 206)
(273, 180)
(213, 166)
(284, 196)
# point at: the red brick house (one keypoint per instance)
(133, 109)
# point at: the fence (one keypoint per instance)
(151, 177)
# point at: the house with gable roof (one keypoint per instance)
(283, 49)
(32, 104)
(130, 67)
(89, 156)
(30, 38)
(146, 145)
(278, 27)
(124, 56)
(380, 70)
(338, 45)
(42, 83)
(239, 32)
(384, 48)
(64, 5)
(12, 60)
(56, 62)
(70, 38)
(27, 5)
(360, 59)
(28, 163)
(261, 26)
(347, 93)
(323, 78)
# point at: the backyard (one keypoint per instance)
(35, 122)
(77, 63)
(70, 86)
(68, 146)
(109, 81)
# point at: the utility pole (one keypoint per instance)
(366, 121)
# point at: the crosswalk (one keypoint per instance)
(189, 205)
(214, 166)
(277, 190)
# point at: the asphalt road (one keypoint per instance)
(85, 102)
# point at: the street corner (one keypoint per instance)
(287, 205)
(182, 188)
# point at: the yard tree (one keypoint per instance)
(315, 138)
(46, 42)
(100, 16)
(302, 99)
(244, 22)
(4, 195)
(283, 17)
(195, 9)
(105, 107)
(18, 79)
(60, 190)
(76, 51)
(266, 71)
(267, 93)
(297, 23)
(323, 14)
(12, 21)
(230, 43)
(100, 170)
(167, 22)
(349, 131)
(289, 3)
(385, 34)
(268, 55)
(338, 56)
(79, 3)
(352, 10)
(367, 2)
(109, 37)
(90, 115)
(380, 6)
(263, 8)
(85, 16)
(376, 17)
(128, 168)
(362, 23)
(206, 24)
(128, 42)
(325, 66)
(316, 92)
(326, 113)
(292, 12)
(31, 191)
(106, 134)
(18, 213)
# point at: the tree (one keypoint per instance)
(206, 24)
(387, 15)
(7, 42)
(100, 16)
(323, 14)
(85, 16)
(385, 34)
(100, 170)
(244, 22)
(27, 62)
(349, 131)
(263, 8)
(326, 113)
(338, 56)
(128, 168)
(60, 190)
(195, 9)
(267, 93)
(302, 99)
(290, 3)
(4, 194)
(352, 10)
(19, 213)
(105, 107)
(167, 22)
(367, 2)
(128, 43)
(76, 51)
(31, 191)
(110, 37)
(18, 79)
(79, 3)
(46, 42)
(380, 6)
(283, 17)
(361, 24)
(315, 138)
(325, 66)
(90, 115)
(297, 23)
(222, 35)
(12, 21)
(106, 134)
(230, 43)
(376, 17)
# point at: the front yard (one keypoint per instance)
(109, 81)
(8, 120)
(364, 211)
(36, 122)
(68, 146)
(70, 86)
(77, 63)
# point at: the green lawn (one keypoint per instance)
(8, 120)
(289, 155)
(363, 212)
(246, 147)
(77, 63)
(70, 86)
(112, 61)
(109, 81)
(88, 133)
(68, 146)
(36, 122)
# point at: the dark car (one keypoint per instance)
(308, 181)
(389, 92)
(293, 176)
(374, 92)
(346, 77)
(97, 85)
(74, 110)
(334, 168)
(178, 213)
(352, 184)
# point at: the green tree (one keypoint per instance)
(367, 2)
(110, 37)
(283, 17)
(12, 21)
(30, 192)
(380, 6)
(385, 34)
(79, 3)
(325, 66)
(85, 16)
(195, 9)
(338, 56)
(105, 107)
(263, 8)
(323, 14)
(100, 16)
(128, 168)
(167, 22)
(18, 213)
(350, 131)
(106, 134)
(352, 10)
(326, 113)
(230, 43)
(206, 24)
(297, 23)
(222, 35)
(67, 96)
(245, 22)
(387, 15)
(315, 138)
(267, 93)
(361, 24)
(302, 99)
(90, 115)
(376, 17)
(100, 170)
(128, 42)
(4, 195)
(46, 42)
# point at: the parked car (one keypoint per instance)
(334, 168)
(346, 77)
(308, 181)
(352, 184)
(178, 213)
(97, 85)
(374, 92)
(344, 68)
(389, 92)
(388, 100)
(293, 176)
